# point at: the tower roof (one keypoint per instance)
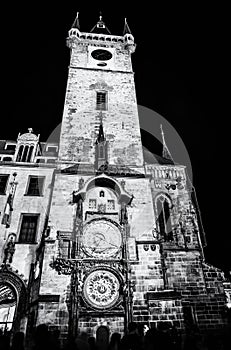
(76, 22)
(165, 152)
(100, 27)
(126, 27)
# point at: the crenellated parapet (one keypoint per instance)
(100, 36)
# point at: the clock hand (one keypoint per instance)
(100, 54)
(103, 239)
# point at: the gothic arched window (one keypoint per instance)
(24, 156)
(163, 217)
(101, 151)
(30, 153)
(7, 306)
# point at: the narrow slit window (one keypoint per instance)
(92, 204)
(101, 101)
(111, 204)
(164, 220)
(3, 183)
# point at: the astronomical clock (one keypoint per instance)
(101, 289)
(102, 244)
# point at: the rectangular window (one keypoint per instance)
(52, 149)
(65, 249)
(92, 204)
(110, 204)
(3, 183)
(101, 101)
(51, 161)
(10, 147)
(28, 228)
(189, 315)
(35, 186)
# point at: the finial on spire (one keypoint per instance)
(126, 27)
(165, 151)
(100, 26)
(76, 22)
(30, 130)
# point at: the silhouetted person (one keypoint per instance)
(70, 345)
(18, 341)
(54, 339)
(142, 330)
(175, 338)
(164, 337)
(227, 337)
(4, 340)
(115, 340)
(191, 338)
(42, 338)
(131, 340)
(82, 342)
(92, 343)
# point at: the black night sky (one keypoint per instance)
(181, 72)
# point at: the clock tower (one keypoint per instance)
(100, 87)
(124, 240)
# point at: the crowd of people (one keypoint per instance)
(138, 337)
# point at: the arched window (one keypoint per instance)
(7, 306)
(30, 153)
(163, 217)
(101, 151)
(18, 159)
(24, 156)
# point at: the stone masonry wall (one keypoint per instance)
(53, 294)
(81, 118)
(90, 324)
(199, 285)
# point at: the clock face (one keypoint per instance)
(101, 289)
(101, 239)
(101, 55)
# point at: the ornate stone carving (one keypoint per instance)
(28, 136)
(9, 249)
(101, 289)
(101, 85)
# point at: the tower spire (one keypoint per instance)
(165, 151)
(76, 22)
(126, 27)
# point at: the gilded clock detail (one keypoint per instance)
(101, 289)
(101, 239)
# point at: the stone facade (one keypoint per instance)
(115, 239)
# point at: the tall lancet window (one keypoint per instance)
(20, 151)
(163, 217)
